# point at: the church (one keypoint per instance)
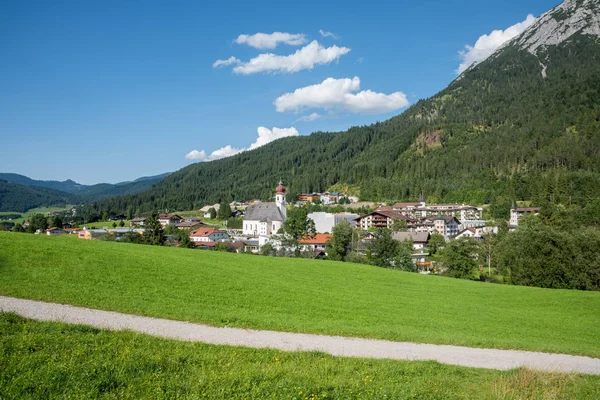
(265, 219)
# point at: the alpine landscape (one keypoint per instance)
(448, 251)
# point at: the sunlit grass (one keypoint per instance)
(297, 295)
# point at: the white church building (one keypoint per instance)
(265, 219)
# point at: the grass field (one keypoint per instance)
(297, 295)
(52, 360)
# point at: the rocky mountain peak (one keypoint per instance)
(560, 23)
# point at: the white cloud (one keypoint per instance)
(304, 58)
(265, 136)
(328, 34)
(271, 40)
(224, 63)
(487, 44)
(309, 118)
(338, 94)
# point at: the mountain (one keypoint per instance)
(87, 193)
(20, 198)
(523, 124)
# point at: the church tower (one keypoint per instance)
(280, 199)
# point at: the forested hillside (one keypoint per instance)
(510, 128)
(21, 198)
(69, 189)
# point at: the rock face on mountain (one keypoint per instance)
(501, 132)
(559, 24)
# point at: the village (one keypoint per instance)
(263, 224)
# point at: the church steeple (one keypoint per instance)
(280, 199)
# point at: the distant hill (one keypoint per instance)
(14, 197)
(522, 125)
(86, 193)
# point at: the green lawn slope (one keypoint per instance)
(297, 295)
(52, 360)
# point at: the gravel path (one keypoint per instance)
(334, 345)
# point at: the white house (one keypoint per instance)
(169, 219)
(208, 235)
(265, 219)
(518, 212)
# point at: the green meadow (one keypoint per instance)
(297, 295)
(52, 360)
(40, 210)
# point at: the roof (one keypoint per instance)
(55, 229)
(280, 188)
(263, 212)
(446, 218)
(205, 232)
(407, 204)
(189, 224)
(169, 216)
(319, 238)
(416, 237)
(138, 219)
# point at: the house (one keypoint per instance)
(316, 242)
(206, 210)
(325, 222)
(169, 219)
(382, 219)
(118, 217)
(476, 232)
(419, 239)
(446, 225)
(55, 231)
(517, 212)
(72, 231)
(251, 245)
(237, 214)
(190, 225)
(265, 219)
(208, 235)
(140, 221)
(309, 197)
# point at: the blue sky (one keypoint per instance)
(110, 91)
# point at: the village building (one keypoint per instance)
(169, 219)
(382, 219)
(265, 219)
(140, 221)
(208, 235)
(419, 239)
(317, 242)
(190, 225)
(325, 222)
(516, 213)
(55, 231)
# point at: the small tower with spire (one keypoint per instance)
(280, 199)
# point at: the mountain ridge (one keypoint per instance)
(500, 133)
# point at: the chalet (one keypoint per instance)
(190, 225)
(517, 212)
(265, 219)
(476, 232)
(140, 221)
(382, 219)
(419, 239)
(309, 197)
(208, 235)
(316, 242)
(169, 219)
